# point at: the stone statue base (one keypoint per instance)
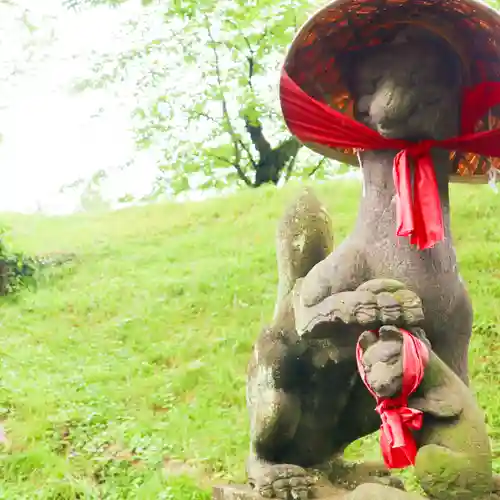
(245, 492)
(367, 491)
(336, 480)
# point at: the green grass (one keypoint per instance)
(129, 367)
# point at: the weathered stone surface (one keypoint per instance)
(245, 492)
(234, 492)
(367, 491)
(379, 492)
(305, 398)
(454, 454)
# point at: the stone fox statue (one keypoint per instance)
(305, 400)
(453, 454)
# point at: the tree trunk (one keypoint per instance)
(271, 166)
(272, 161)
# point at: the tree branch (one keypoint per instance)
(248, 152)
(255, 131)
(242, 175)
(288, 148)
(201, 114)
(225, 112)
(239, 141)
(240, 172)
(251, 56)
(290, 166)
(271, 167)
(317, 167)
(259, 141)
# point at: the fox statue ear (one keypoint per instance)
(390, 333)
(366, 339)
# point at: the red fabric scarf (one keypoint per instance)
(419, 213)
(396, 440)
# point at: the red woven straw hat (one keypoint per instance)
(469, 26)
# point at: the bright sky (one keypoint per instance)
(52, 137)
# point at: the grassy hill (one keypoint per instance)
(124, 376)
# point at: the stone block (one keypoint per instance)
(245, 492)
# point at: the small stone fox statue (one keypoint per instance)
(439, 426)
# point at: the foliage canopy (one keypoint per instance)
(207, 75)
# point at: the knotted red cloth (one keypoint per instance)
(419, 213)
(396, 440)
